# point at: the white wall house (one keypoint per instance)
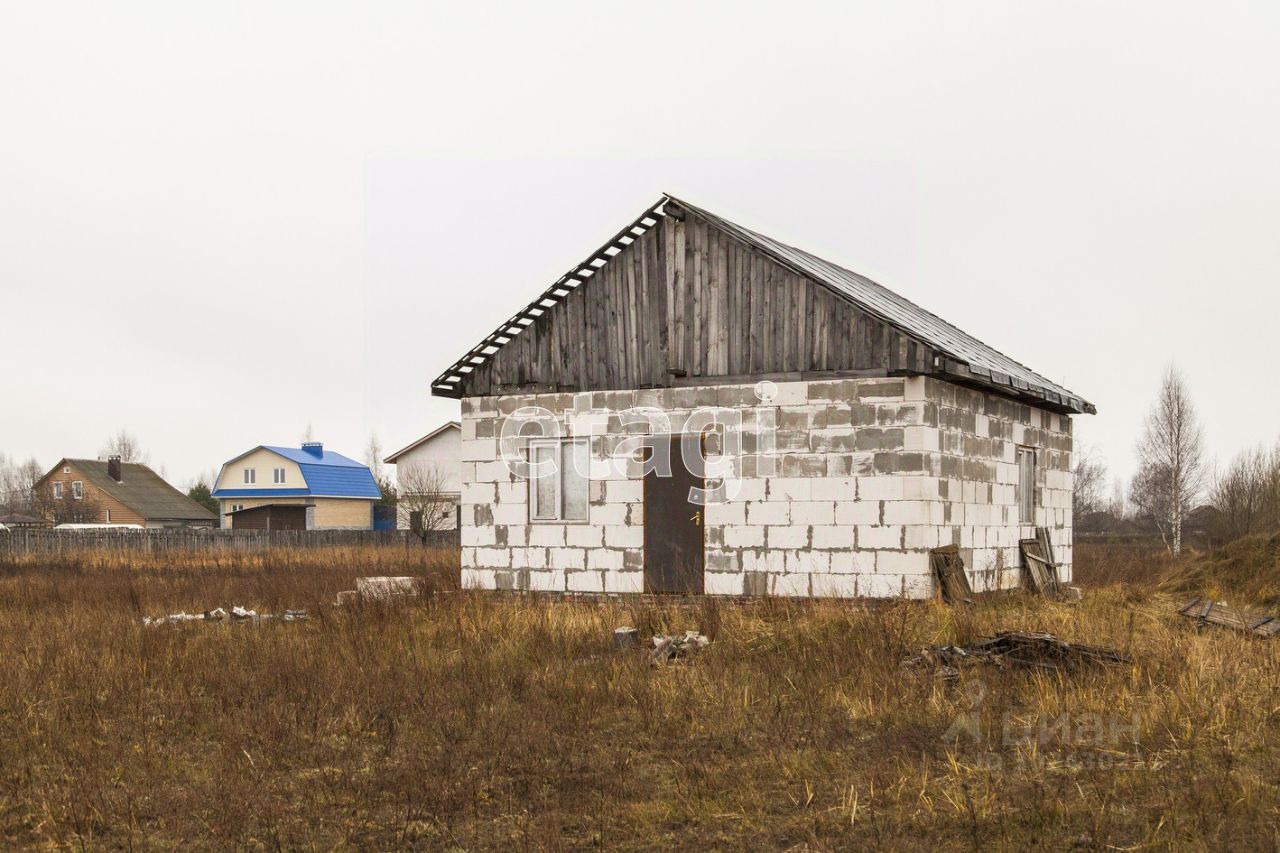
(435, 458)
(697, 408)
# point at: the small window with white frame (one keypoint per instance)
(558, 477)
(57, 491)
(66, 469)
(77, 490)
(1027, 485)
(250, 476)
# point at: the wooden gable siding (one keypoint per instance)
(119, 513)
(683, 301)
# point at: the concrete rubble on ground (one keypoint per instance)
(237, 614)
(1022, 648)
(380, 589)
(669, 647)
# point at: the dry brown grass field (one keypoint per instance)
(469, 721)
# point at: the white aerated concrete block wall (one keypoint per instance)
(859, 480)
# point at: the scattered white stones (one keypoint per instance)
(239, 614)
(625, 638)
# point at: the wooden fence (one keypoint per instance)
(60, 542)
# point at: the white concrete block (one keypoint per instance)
(790, 394)
(742, 536)
(886, 488)
(902, 562)
(745, 489)
(567, 558)
(834, 586)
(834, 537)
(917, 586)
(479, 450)
(609, 514)
(813, 512)
(605, 559)
(583, 535)
(906, 512)
(478, 579)
(513, 493)
(493, 558)
(479, 493)
(549, 581)
(584, 582)
(858, 512)
(624, 491)
(726, 513)
(624, 582)
(880, 586)
(834, 489)
(789, 585)
(921, 536)
(764, 561)
(723, 583)
(471, 535)
(876, 536)
(790, 488)
(497, 472)
(787, 536)
(807, 562)
(852, 562)
(622, 536)
(546, 535)
(769, 513)
(510, 513)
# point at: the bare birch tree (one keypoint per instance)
(1171, 465)
(422, 496)
(125, 445)
(1089, 477)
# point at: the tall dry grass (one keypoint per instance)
(471, 721)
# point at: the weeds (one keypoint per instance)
(473, 721)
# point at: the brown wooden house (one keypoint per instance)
(97, 491)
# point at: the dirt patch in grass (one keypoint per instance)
(472, 721)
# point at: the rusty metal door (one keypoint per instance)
(674, 553)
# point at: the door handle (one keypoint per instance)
(696, 518)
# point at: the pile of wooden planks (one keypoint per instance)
(1031, 649)
(1207, 611)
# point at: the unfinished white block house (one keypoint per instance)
(847, 431)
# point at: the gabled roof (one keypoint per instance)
(447, 425)
(962, 356)
(325, 474)
(140, 489)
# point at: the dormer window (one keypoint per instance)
(277, 476)
(250, 476)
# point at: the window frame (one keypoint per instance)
(558, 479)
(1026, 496)
(57, 490)
(77, 490)
(250, 476)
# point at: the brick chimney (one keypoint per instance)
(315, 448)
(113, 468)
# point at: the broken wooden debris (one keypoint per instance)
(948, 568)
(1208, 611)
(238, 614)
(669, 647)
(1022, 648)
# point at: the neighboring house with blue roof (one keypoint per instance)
(338, 492)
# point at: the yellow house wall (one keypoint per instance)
(263, 462)
(339, 512)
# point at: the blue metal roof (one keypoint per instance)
(327, 474)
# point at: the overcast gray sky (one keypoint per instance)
(219, 224)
